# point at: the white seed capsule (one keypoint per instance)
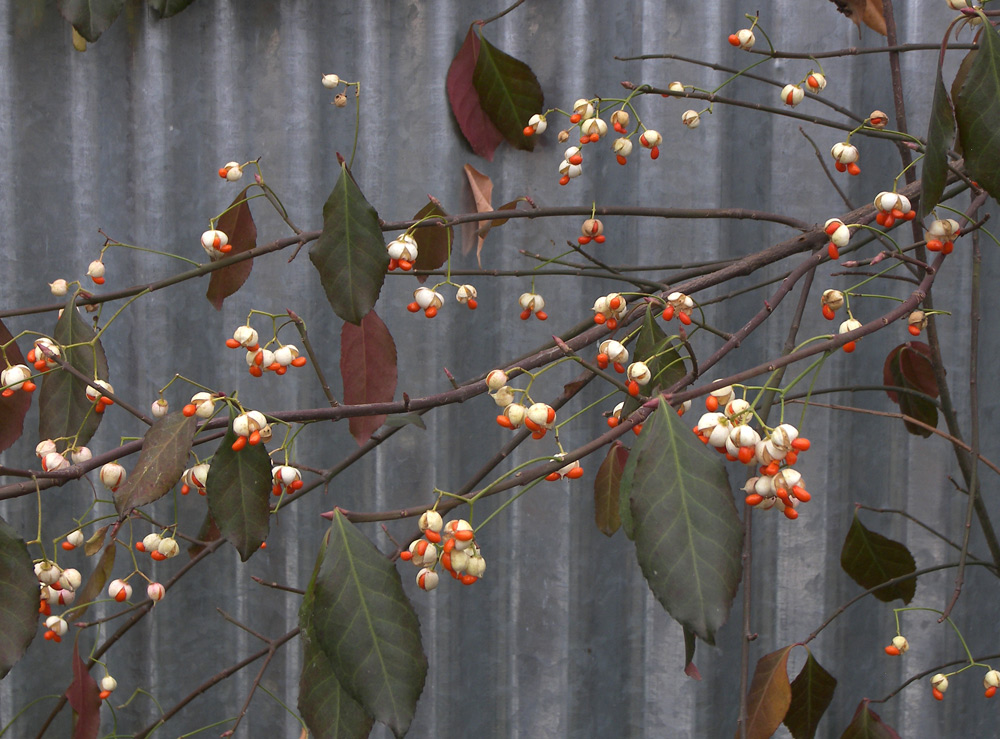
(496, 379)
(427, 579)
(503, 397)
(792, 95)
(330, 81)
(430, 520)
(901, 644)
(70, 579)
(56, 624)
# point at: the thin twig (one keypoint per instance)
(301, 326)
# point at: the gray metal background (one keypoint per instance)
(562, 638)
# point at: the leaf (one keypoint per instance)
(909, 366)
(940, 134)
(398, 420)
(18, 596)
(96, 541)
(237, 223)
(497, 222)
(208, 532)
(977, 110)
(867, 725)
(432, 242)
(872, 559)
(475, 124)
(161, 462)
(325, 706)
(655, 348)
(956, 84)
(239, 490)
(812, 692)
(94, 586)
(606, 489)
(85, 699)
(367, 627)
(90, 18)
(690, 642)
(368, 369)
(349, 254)
(167, 8)
(868, 11)
(63, 408)
(688, 535)
(509, 93)
(482, 191)
(15, 408)
(769, 695)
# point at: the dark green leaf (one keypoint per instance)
(18, 598)
(432, 242)
(96, 541)
(690, 642)
(167, 8)
(688, 535)
(940, 134)
(366, 626)
(508, 92)
(872, 559)
(94, 586)
(63, 407)
(977, 110)
(368, 370)
(15, 408)
(90, 18)
(350, 254)
(327, 709)
(812, 691)
(84, 697)
(406, 419)
(655, 348)
(236, 223)
(769, 695)
(607, 488)
(239, 490)
(161, 462)
(867, 725)
(956, 84)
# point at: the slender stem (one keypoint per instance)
(313, 359)
(850, 51)
(501, 14)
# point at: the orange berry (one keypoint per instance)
(185, 489)
(833, 251)
(526, 314)
(791, 458)
(754, 499)
(446, 561)
(790, 513)
(746, 454)
(854, 169)
(575, 473)
(433, 536)
(828, 313)
(232, 343)
(734, 40)
(502, 420)
(98, 280)
(668, 313)
(223, 172)
(914, 330)
(564, 180)
(840, 167)
(413, 307)
(937, 694)
(654, 153)
(241, 441)
(465, 535)
(991, 691)
(801, 444)
(684, 318)
(140, 547)
(158, 556)
(449, 545)
(67, 546)
(406, 555)
(576, 159)
(712, 403)
(621, 160)
(612, 324)
(528, 131)
(892, 651)
(103, 695)
(256, 371)
(254, 438)
(637, 429)
(599, 318)
(850, 346)
(121, 596)
(299, 362)
(633, 388)
(468, 579)
(552, 476)
(575, 118)
(801, 493)
(612, 421)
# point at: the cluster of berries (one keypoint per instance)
(538, 417)
(570, 471)
(287, 479)
(615, 354)
(941, 235)
(16, 377)
(939, 683)
(261, 359)
(332, 82)
(453, 545)
(231, 172)
(832, 301)
(250, 428)
(44, 354)
(532, 303)
(194, 478)
(56, 587)
(53, 460)
(430, 300)
(680, 305)
(99, 399)
(159, 548)
(591, 230)
(892, 207)
(608, 309)
(793, 94)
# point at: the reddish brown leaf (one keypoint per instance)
(692, 671)
(866, 724)
(869, 12)
(85, 698)
(476, 126)
(237, 223)
(96, 541)
(482, 192)
(368, 369)
(15, 408)
(94, 586)
(690, 642)
(607, 487)
(208, 532)
(512, 205)
(909, 366)
(432, 242)
(770, 695)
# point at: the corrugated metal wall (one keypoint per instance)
(563, 637)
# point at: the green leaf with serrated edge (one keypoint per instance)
(236, 223)
(167, 8)
(239, 492)
(690, 642)
(18, 598)
(812, 691)
(769, 695)
(96, 541)
(509, 93)
(867, 724)
(405, 419)
(432, 241)
(63, 408)
(655, 348)
(327, 709)
(84, 697)
(607, 485)
(940, 134)
(956, 84)
(367, 627)
(13, 409)
(688, 535)
(161, 462)
(94, 586)
(977, 110)
(872, 559)
(90, 18)
(350, 254)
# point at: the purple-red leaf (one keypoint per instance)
(909, 366)
(867, 725)
(368, 369)
(770, 695)
(236, 223)
(208, 532)
(14, 408)
(476, 126)
(161, 462)
(690, 642)
(85, 698)
(607, 486)
(432, 242)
